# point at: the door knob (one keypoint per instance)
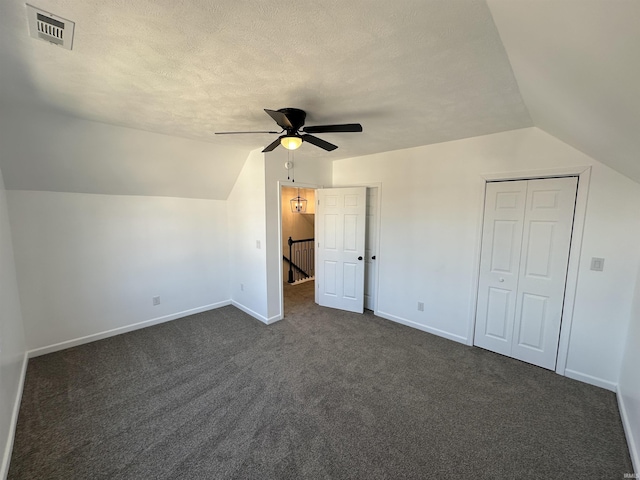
(373, 258)
(359, 258)
(501, 279)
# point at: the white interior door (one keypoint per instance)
(340, 237)
(523, 265)
(371, 249)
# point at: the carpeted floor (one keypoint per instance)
(320, 394)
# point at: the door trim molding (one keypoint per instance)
(583, 172)
(377, 234)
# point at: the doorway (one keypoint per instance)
(526, 239)
(298, 244)
(302, 290)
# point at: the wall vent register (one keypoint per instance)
(50, 28)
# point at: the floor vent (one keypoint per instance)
(49, 27)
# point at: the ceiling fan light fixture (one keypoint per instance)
(291, 142)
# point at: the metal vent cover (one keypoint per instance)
(49, 27)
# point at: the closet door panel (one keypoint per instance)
(499, 265)
(548, 224)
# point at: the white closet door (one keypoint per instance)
(499, 265)
(548, 223)
(523, 267)
(341, 217)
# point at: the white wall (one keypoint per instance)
(12, 344)
(254, 209)
(603, 299)
(629, 383)
(247, 238)
(88, 264)
(430, 225)
(308, 172)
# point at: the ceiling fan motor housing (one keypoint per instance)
(296, 118)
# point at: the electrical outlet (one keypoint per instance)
(421, 306)
(242, 287)
(156, 300)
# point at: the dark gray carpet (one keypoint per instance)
(321, 394)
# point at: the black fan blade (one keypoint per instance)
(347, 127)
(236, 133)
(318, 142)
(280, 118)
(272, 146)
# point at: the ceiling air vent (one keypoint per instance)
(49, 27)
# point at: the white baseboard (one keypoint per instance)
(628, 431)
(256, 315)
(591, 380)
(424, 328)
(6, 457)
(274, 319)
(127, 328)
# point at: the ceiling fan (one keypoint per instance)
(291, 120)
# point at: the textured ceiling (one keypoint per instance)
(413, 72)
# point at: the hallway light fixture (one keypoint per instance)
(298, 204)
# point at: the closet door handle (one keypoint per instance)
(359, 258)
(373, 258)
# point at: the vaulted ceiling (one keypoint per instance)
(413, 72)
(577, 63)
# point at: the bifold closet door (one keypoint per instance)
(523, 266)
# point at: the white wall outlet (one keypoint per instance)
(597, 264)
(242, 287)
(421, 306)
(156, 300)
(258, 244)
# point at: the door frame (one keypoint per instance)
(376, 282)
(287, 183)
(583, 172)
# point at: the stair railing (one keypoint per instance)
(301, 259)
